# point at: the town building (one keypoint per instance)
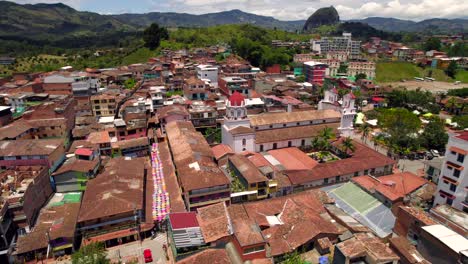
(359, 67)
(346, 107)
(5, 115)
(54, 232)
(104, 104)
(454, 176)
(196, 89)
(45, 152)
(406, 251)
(136, 147)
(452, 218)
(201, 181)
(208, 72)
(432, 169)
(184, 231)
(315, 71)
(203, 114)
(172, 113)
(304, 57)
(74, 174)
(115, 208)
(333, 66)
(338, 44)
(267, 131)
(229, 85)
(26, 189)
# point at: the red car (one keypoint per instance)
(148, 255)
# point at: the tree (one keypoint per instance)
(432, 44)
(294, 258)
(153, 36)
(94, 253)
(365, 129)
(347, 144)
(327, 133)
(434, 135)
(360, 76)
(402, 126)
(451, 69)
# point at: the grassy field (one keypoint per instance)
(36, 63)
(139, 56)
(396, 71)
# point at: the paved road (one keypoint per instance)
(134, 251)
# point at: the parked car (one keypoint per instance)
(435, 153)
(429, 155)
(148, 255)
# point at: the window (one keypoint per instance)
(337, 178)
(254, 249)
(456, 173)
(449, 167)
(261, 148)
(461, 158)
(98, 112)
(366, 172)
(453, 152)
(284, 125)
(244, 142)
(449, 201)
(303, 142)
(275, 145)
(453, 187)
(289, 143)
(325, 180)
(298, 123)
(356, 173)
(271, 126)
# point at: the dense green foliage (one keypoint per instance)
(94, 253)
(459, 49)
(462, 92)
(434, 135)
(364, 31)
(452, 69)
(414, 99)
(153, 35)
(432, 44)
(401, 125)
(428, 26)
(461, 120)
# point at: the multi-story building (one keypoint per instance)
(58, 84)
(333, 66)
(85, 85)
(113, 210)
(301, 58)
(338, 44)
(367, 68)
(315, 72)
(454, 174)
(196, 89)
(229, 85)
(208, 72)
(202, 115)
(104, 104)
(44, 152)
(201, 180)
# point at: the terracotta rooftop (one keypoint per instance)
(119, 189)
(247, 169)
(293, 159)
(30, 147)
(247, 232)
(14, 129)
(289, 133)
(214, 222)
(212, 256)
(290, 117)
(240, 130)
(172, 110)
(394, 187)
(367, 245)
(131, 143)
(78, 165)
(404, 248)
(99, 137)
(59, 221)
(289, 222)
(193, 158)
(221, 150)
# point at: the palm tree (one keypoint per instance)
(365, 129)
(451, 104)
(315, 143)
(327, 133)
(346, 145)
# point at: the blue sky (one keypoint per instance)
(281, 9)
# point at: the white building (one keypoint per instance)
(346, 107)
(208, 72)
(337, 44)
(276, 130)
(453, 178)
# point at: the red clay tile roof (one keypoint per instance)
(212, 256)
(299, 215)
(221, 150)
(404, 248)
(236, 99)
(14, 129)
(183, 220)
(99, 137)
(293, 159)
(247, 169)
(30, 147)
(419, 214)
(239, 130)
(193, 158)
(363, 245)
(247, 232)
(84, 152)
(463, 135)
(172, 110)
(131, 143)
(78, 165)
(289, 133)
(214, 222)
(393, 187)
(119, 189)
(257, 159)
(288, 117)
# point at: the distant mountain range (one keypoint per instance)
(58, 21)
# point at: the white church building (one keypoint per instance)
(268, 131)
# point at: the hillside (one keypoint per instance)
(435, 25)
(206, 20)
